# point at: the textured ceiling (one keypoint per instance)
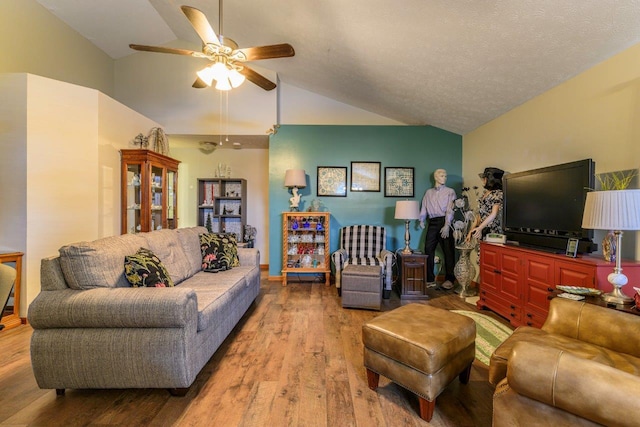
(451, 64)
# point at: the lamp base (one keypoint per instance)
(406, 251)
(617, 297)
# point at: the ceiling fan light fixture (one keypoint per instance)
(220, 71)
(235, 78)
(206, 75)
(223, 84)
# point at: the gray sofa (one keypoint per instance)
(92, 330)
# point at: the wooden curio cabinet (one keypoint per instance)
(149, 191)
(305, 244)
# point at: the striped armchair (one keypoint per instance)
(363, 245)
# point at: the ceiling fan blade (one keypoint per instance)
(199, 84)
(201, 25)
(266, 52)
(175, 51)
(257, 79)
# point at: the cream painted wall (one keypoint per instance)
(118, 125)
(250, 164)
(13, 180)
(594, 115)
(62, 151)
(32, 40)
(61, 167)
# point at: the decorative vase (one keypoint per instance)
(464, 272)
(609, 247)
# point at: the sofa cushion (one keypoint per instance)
(167, 246)
(98, 264)
(144, 269)
(190, 240)
(219, 251)
(215, 295)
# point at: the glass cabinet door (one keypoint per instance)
(134, 197)
(156, 187)
(171, 199)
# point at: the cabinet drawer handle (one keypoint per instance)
(550, 289)
(529, 324)
(513, 307)
(497, 271)
(529, 315)
(512, 314)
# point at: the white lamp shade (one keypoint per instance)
(295, 178)
(407, 209)
(612, 210)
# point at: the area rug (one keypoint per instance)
(489, 334)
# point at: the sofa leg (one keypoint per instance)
(464, 375)
(60, 391)
(372, 379)
(426, 408)
(178, 392)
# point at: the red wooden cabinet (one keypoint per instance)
(517, 283)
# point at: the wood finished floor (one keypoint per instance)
(295, 359)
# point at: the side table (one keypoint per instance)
(412, 269)
(11, 317)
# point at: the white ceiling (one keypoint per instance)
(451, 64)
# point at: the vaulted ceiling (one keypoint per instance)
(452, 64)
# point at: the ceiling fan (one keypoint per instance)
(228, 68)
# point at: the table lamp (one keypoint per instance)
(615, 210)
(295, 179)
(407, 210)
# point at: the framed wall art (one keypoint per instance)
(398, 182)
(365, 176)
(332, 181)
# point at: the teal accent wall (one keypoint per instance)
(424, 148)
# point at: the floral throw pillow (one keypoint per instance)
(219, 251)
(144, 269)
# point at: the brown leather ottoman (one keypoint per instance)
(420, 348)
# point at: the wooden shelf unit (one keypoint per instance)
(224, 201)
(518, 283)
(305, 244)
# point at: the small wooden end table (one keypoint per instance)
(412, 269)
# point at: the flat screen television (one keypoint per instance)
(543, 207)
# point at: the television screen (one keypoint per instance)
(548, 201)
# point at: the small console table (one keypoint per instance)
(518, 283)
(11, 318)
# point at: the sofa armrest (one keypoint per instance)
(583, 387)
(339, 257)
(594, 324)
(249, 256)
(173, 307)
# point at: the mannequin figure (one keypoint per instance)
(294, 200)
(489, 206)
(437, 206)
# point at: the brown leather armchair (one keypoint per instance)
(581, 368)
